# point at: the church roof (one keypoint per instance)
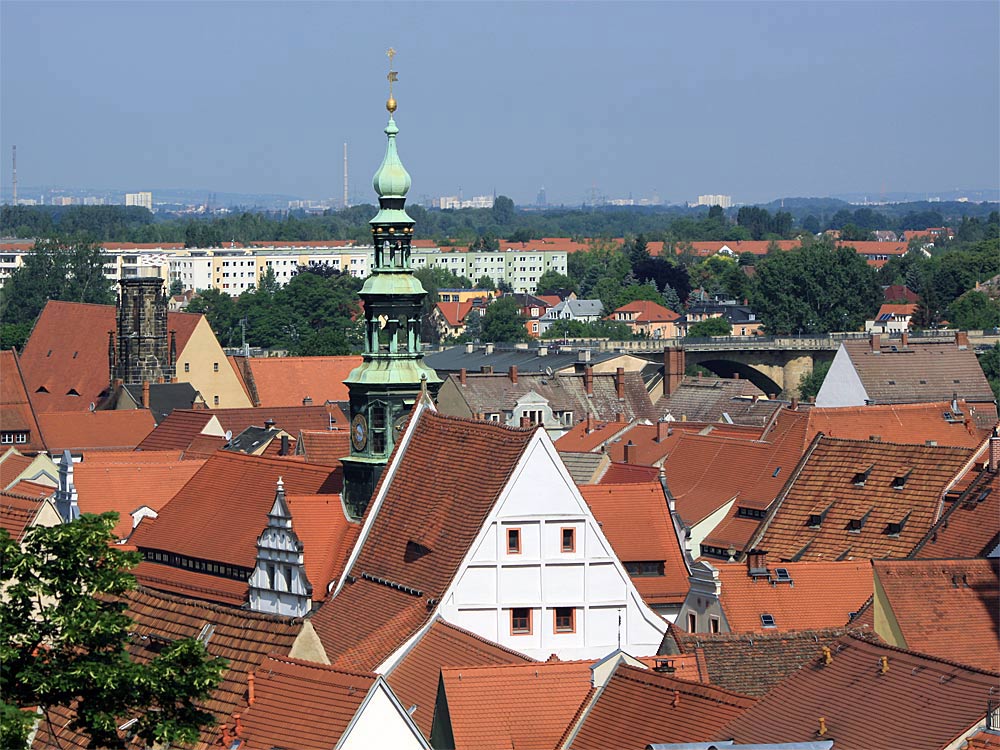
(16, 413)
(78, 431)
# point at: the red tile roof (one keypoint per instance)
(946, 608)
(286, 381)
(366, 621)
(636, 520)
(18, 512)
(969, 525)
(16, 412)
(648, 312)
(522, 706)
(455, 313)
(126, 487)
(891, 308)
(896, 423)
(415, 678)
(589, 435)
(324, 447)
(842, 587)
(618, 473)
(88, 430)
(176, 431)
(301, 704)
(65, 360)
(934, 701)
(639, 707)
(12, 464)
(130, 457)
(845, 481)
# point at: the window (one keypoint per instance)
(568, 542)
(215, 400)
(520, 621)
(215, 367)
(287, 570)
(692, 622)
(645, 568)
(7, 438)
(513, 541)
(714, 625)
(565, 620)
(21, 437)
(187, 367)
(767, 621)
(567, 417)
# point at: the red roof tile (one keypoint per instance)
(896, 423)
(455, 313)
(12, 464)
(88, 430)
(639, 707)
(946, 608)
(16, 412)
(627, 473)
(18, 511)
(589, 435)
(324, 447)
(969, 525)
(286, 381)
(648, 312)
(415, 678)
(176, 431)
(934, 700)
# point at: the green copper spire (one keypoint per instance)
(391, 180)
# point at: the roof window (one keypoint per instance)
(816, 519)
(862, 476)
(899, 482)
(776, 471)
(856, 524)
(781, 575)
(767, 621)
(895, 528)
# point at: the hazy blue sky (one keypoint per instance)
(757, 100)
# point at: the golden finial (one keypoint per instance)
(391, 104)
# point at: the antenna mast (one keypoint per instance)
(345, 175)
(14, 181)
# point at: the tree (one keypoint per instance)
(64, 636)
(711, 327)
(14, 335)
(176, 287)
(485, 282)
(810, 383)
(553, 282)
(814, 289)
(990, 362)
(974, 310)
(503, 210)
(598, 329)
(502, 321)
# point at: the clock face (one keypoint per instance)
(359, 432)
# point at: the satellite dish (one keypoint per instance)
(548, 371)
(229, 435)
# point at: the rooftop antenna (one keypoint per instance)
(14, 181)
(345, 174)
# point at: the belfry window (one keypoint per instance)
(378, 422)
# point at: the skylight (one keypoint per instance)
(767, 621)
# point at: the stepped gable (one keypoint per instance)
(79, 431)
(415, 678)
(947, 608)
(897, 423)
(302, 705)
(640, 707)
(818, 595)
(891, 494)
(16, 412)
(324, 447)
(524, 706)
(970, 523)
(441, 511)
(636, 520)
(65, 360)
(918, 703)
(218, 515)
(288, 381)
(752, 663)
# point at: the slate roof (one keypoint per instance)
(484, 393)
(819, 595)
(946, 608)
(415, 677)
(16, 412)
(286, 381)
(86, 430)
(970, 523)
(585, 468)
(636, 520)
(832, 487)
(67, 353)
(455, 358)
(522, 706)
(750, 663)
(367, 620)
(302, 705)
(707, 399)
(164, 397)
(638, 707)
(922, 371)
(920, 703)
(578, 308)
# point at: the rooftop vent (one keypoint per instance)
(816, 519)
(895, 528)
(856, 524)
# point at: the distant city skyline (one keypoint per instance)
(667, 100)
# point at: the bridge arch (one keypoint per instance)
(727, 368)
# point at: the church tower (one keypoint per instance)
(142, 350)
(384, 387)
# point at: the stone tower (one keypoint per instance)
(384, 387)
(143, 349)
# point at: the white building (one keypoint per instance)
(726, 201)
(143, 199)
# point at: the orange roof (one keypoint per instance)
(522, 706)
(18, 511)
(970, 525)
(287, 381)
(126, 487)
(589, 434)
(895, 309)
(640, 707)
(301, 704)
(324, 447)
(12, 463)
(131, 457)
(890, 493)
(65, 360)
(842, 587)
(16, 412)
(176, 431)
(618, 473)
(415, 677)
(82, 430)
(648, 312)
(947, 608)
(455, 313)
(636, 520)
(896, 423)
(326, 535)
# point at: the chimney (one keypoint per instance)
(283, 451)
(469, 348)
(588, 380)
(736, 376)
(905, 339)
(827, 655)
(525, 421)
(962, 339)
(994, 451)
(620, 382)
(583, 355)
(543, 351)
(489, 349)
(145, 394)
(876, 343)
(461, 376)
(629, 450)
(620, 416)
(673, 369)
(268, 423)
(822, 726)
(757, 563)
(590, 423)
(676, 701)
(662, 431)
(513, 374)
(307, 401)
(251, 697)
(795, 403)
(237, 725)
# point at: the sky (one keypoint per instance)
(670, 99)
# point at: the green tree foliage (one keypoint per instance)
(719, 274)
(502, 322)
(761, 225)
(64, 636)
(176, 287)
(103, 223)
(814, 289)
(70, 269)
(432, 280)
(710, 327)
(14, 335)
(553, 282)
(990, 362)
(974, 311)
(485, 282)
(598, 329)
(662, 273)
(810, 383)
(503, 210)
(854, 233)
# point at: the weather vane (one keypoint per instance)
(391, 104)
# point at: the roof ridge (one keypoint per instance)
(276, 656)
(636, 674)
(827, 439)
(529, 665)
(483, 423)
(920, 655)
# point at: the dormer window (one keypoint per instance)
(767, 621)
(862, 476)
(900, 481)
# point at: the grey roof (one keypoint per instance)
(585, 468)
(708, 399)
(579, 308)
(502, 357)
(164, 397)
(252, 438)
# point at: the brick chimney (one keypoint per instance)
(513, 374)
(620, 382)
(588, 380)
(962, 339)
(462, 375)
(757, 563)
(145, 394)
(994, 450)
(673, 369)
(525, 421)
(629, 452)
(590, 423)
(905, 336)
(663, 431)
(876, 344)
(795, 403)
(251, 693)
